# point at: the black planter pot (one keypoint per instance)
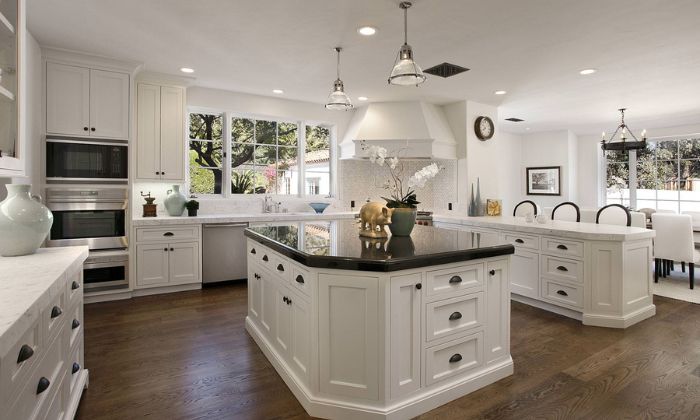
(192, 212)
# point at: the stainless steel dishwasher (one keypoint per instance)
(223, 252)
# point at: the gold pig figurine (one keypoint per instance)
(373, 217)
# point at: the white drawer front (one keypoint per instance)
(281, 267)
(74, 366)
(53, 316)
(454, 315)
(167, 234)
(523, 241)
(453, 358)
(13, 375)
(562, 268)
(561, 293)
(567, 248)
(74, 326)
(456, 279)
(74, 290)
(302, 280)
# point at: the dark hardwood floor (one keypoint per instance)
(187, 356)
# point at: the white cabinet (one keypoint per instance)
(168, 256)
(254, 297)
(525, 276)
(86, 102)
(283, 320)
(160, 132)
(152, 264)
(184, 263)
(405, 302)
(497, 337)
(300, 350)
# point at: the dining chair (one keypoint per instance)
(674, 242)
(524, 207)
(647, 212)
(614, 214)
(567, 211)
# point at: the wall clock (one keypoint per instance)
(483, 127)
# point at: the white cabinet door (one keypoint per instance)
(148, 131)
(172, 137)
(525, 273)
(300, 350)
(497, 332)
(67, 100)
(405, 301)
(269, 304)
(283, 321)
(152, 264)
(109, 104)
(254, 298)
(184, 263)
(349, 335)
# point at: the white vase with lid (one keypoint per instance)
(175, 202)
(24, 221)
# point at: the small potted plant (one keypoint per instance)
(192, 207)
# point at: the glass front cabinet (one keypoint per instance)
(12, 32)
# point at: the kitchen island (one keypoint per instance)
(379, 328)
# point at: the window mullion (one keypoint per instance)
(301, 158)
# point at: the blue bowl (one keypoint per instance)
(319, 207)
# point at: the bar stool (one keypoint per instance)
(568, 211)
(524, 207)
(614, 214)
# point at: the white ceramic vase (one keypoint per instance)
(24, 222)
(175, 202)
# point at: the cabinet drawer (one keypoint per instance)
(564, 247)
(53, 316)
(453, 358)
(57, 401)
(74, 326)
(167, 234)
(450, 280)
(561, 293)
(302, 280)
(265, 257)
(19, 362)
(74, 290)
(280, 267)
(562, 268)
(454, 315)
(74, 366)
(523, 241)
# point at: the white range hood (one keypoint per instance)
(418, 129)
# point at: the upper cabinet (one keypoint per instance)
(12, 31)
(86, 102)
(160, 136)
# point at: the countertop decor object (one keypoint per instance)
(493, 207)
(149, 209)
(319, 207)
(175, 202)
(192, 207)
(24, 221)
(373, 217)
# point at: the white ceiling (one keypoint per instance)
(647, 52)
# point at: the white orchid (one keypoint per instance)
(377, 155)
(393, 161)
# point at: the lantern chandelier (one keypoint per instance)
(623, 144)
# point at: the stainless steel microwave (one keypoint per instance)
(71, 160)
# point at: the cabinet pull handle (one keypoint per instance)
(280, 267)
(75, 324)
(562, 268)
(284, 299)
(252, 251)
(300, 279)
(75, 369)
(162, 173)
(519, 241)
(562, 247)
(25, 352)
(56, 311)
(265, 258)
(455, 358)
(92, 129)
(85, 129)
(492, 272)
(455, 280)
(561, 292)
(419, 286)
(172, 249)
(43, 385)
(157, 173)
(455, 316)
(168, 234)
(75, 285)
(165, 249)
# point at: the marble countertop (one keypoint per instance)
(28, 283)
(240, 218)
(558, 228)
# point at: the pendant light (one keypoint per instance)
(338, 100)
(623, 144)
(406, 72)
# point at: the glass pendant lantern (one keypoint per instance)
(406, 72)
(338, 100)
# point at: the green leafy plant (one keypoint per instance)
(242, 182)
(192, 205)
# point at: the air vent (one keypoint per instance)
(446, 70)
(513, 119)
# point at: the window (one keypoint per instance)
(667, 176)
(317, 159)
(206, 147)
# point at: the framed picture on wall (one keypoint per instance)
(545, 180)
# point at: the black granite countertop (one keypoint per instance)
(336, 244)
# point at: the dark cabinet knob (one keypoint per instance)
(75, 285)
(289, 301)
(419, 286)
(172, 249)
(75, 368)
(284, 299)
(455, 280)
(562, 247)
(75, 324)
(299, 279)
(252, 251)
(455, 358)
(92, 129)
(265, 258)
(519, 241)
(562, 268)
(25, 352)
(85, 129)
(280, 267)
(162, 173)
(157, 173)
(168, 234)
(492, 272)
(562, 293)
(165, 249)
(55, 312)
(43, 385)
(455, 316)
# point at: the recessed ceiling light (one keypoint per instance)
(362, 98)
(186, 70)
(499, 92)
(277, 91)
(586, 72)
(528, 128)
(367, 30)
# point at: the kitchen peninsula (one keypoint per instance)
(379, 328)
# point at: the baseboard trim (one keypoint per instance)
(166, 289)
(547, 306)
(628, 320)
